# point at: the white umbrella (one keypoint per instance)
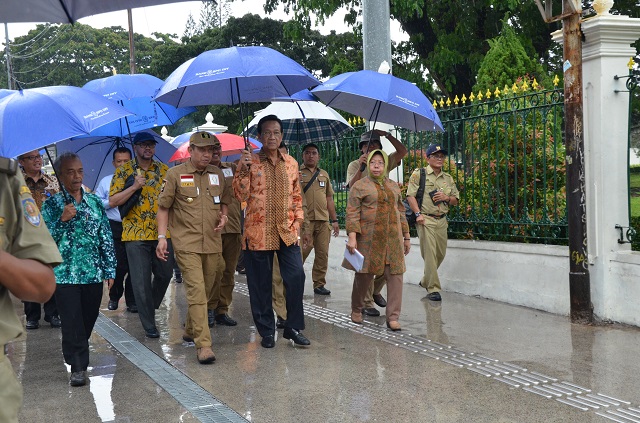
(304, 121)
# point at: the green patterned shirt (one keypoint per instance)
(85, 242)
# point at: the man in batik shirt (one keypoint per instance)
(79, 225)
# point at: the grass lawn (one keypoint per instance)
(634, 185)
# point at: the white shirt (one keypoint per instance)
(103, 192)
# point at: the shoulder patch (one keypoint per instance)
(31, 212)
(24, 190)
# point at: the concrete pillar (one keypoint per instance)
(605, 53)
(376, 33)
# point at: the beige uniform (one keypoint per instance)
(433, 233)
(24, 235)
(222, 290)
(194, 200)
(318, 217)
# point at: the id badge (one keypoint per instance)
(227, 172)
(213, 179)
(321, 183)
(216, 199)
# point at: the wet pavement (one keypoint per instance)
(464, 359)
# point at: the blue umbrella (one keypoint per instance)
(233, 76)
(135, 92)
(380, 97)
(33, 118)
(96, 153)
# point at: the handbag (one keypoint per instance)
(411, 217)
(125, 208)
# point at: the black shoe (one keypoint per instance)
(434, 296)
(211, 318)
(78, 378)
(55, 321)
(113, 305)
(280, 323)
(225, 320)
(371, 311)
(132, 308)
(187, 338)
(177, 277)
(152, 333)
(296, 336)
(321, 290)
(241, 271)
(379, 300)
(33, 324)
(268, 342)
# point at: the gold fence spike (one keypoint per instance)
(514, 88)
(505, 90)
(456, 100)
(472, 97)
(479, 95)
(631, 63)
(525, 86)
(535, 84)
(448, 102)
(497, 92)
(435, 104)
(556, 80)
(464, 99)
(441, 103)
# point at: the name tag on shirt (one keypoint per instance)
(321, 183)
(213, 179)
(187, 181)
(228, 173)
(216, 199)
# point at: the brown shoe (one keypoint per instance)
(205, 355)
(394, 326)
(356, 317)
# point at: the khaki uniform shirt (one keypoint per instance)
(24, 235)
(194, 199)
(354, 166)
(442, 182)
(233, 225)
(43, 188)
(316, 195)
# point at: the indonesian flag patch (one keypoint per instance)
(187, 181)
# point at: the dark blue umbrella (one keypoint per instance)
(96, 153)
(135, 93)
(33, 118)
(380, 97)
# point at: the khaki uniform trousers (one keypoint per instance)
(199, 272)
(278, 291)
(375, 288)
(320, 239)
(10, 391)
(363, 281)
(221, 293)
(433, 247)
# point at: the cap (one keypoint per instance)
(435, 148)
(369, 136)
(203, 139)
(142, 137)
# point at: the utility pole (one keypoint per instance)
(579, 281)
(7, 56)
(132, 52)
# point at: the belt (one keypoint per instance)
(436, 216)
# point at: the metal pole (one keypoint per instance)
(7, 56)
(132, 52)
(579, 283)
(376, 33)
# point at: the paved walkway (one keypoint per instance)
(462, 360)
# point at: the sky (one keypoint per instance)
(171, 19)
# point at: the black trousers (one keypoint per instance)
(259, 267)
(122, 281)
(79, 305)
(32, 310)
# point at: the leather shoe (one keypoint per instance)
(152, 333)
(394, 326)
(280, 323)
(132, 308)
(32, 324)
(225, 320)
(205, 355)
(434, 296)
(78, 378)
(356, 317)
(55, 321)
(371, 311)
(296, 336)
(177, 277)
(241, 271)
(321, 290)
(211, 318)
(268, 342)
(113, 305)
(379, 300)
(187, 338)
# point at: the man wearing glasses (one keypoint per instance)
(440, 193)
(140, 230)
(42, 186)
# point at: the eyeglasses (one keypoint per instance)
(437, 156)
(147, 145)
(376, 162)
(268, 134)
(32, 158)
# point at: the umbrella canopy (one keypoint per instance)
(230, 143)
(305, 121)
(65, 11)
(96, 154)
(33, 118)
(135, 93)
(380, 97)
(233, 76)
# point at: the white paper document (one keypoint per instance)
(356, 259)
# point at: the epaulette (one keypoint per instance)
(8, 166)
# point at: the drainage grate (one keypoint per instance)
(192, 396)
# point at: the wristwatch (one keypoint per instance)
(416, 214)
(333, 221)
(162, 236)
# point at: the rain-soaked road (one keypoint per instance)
(462, 360)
